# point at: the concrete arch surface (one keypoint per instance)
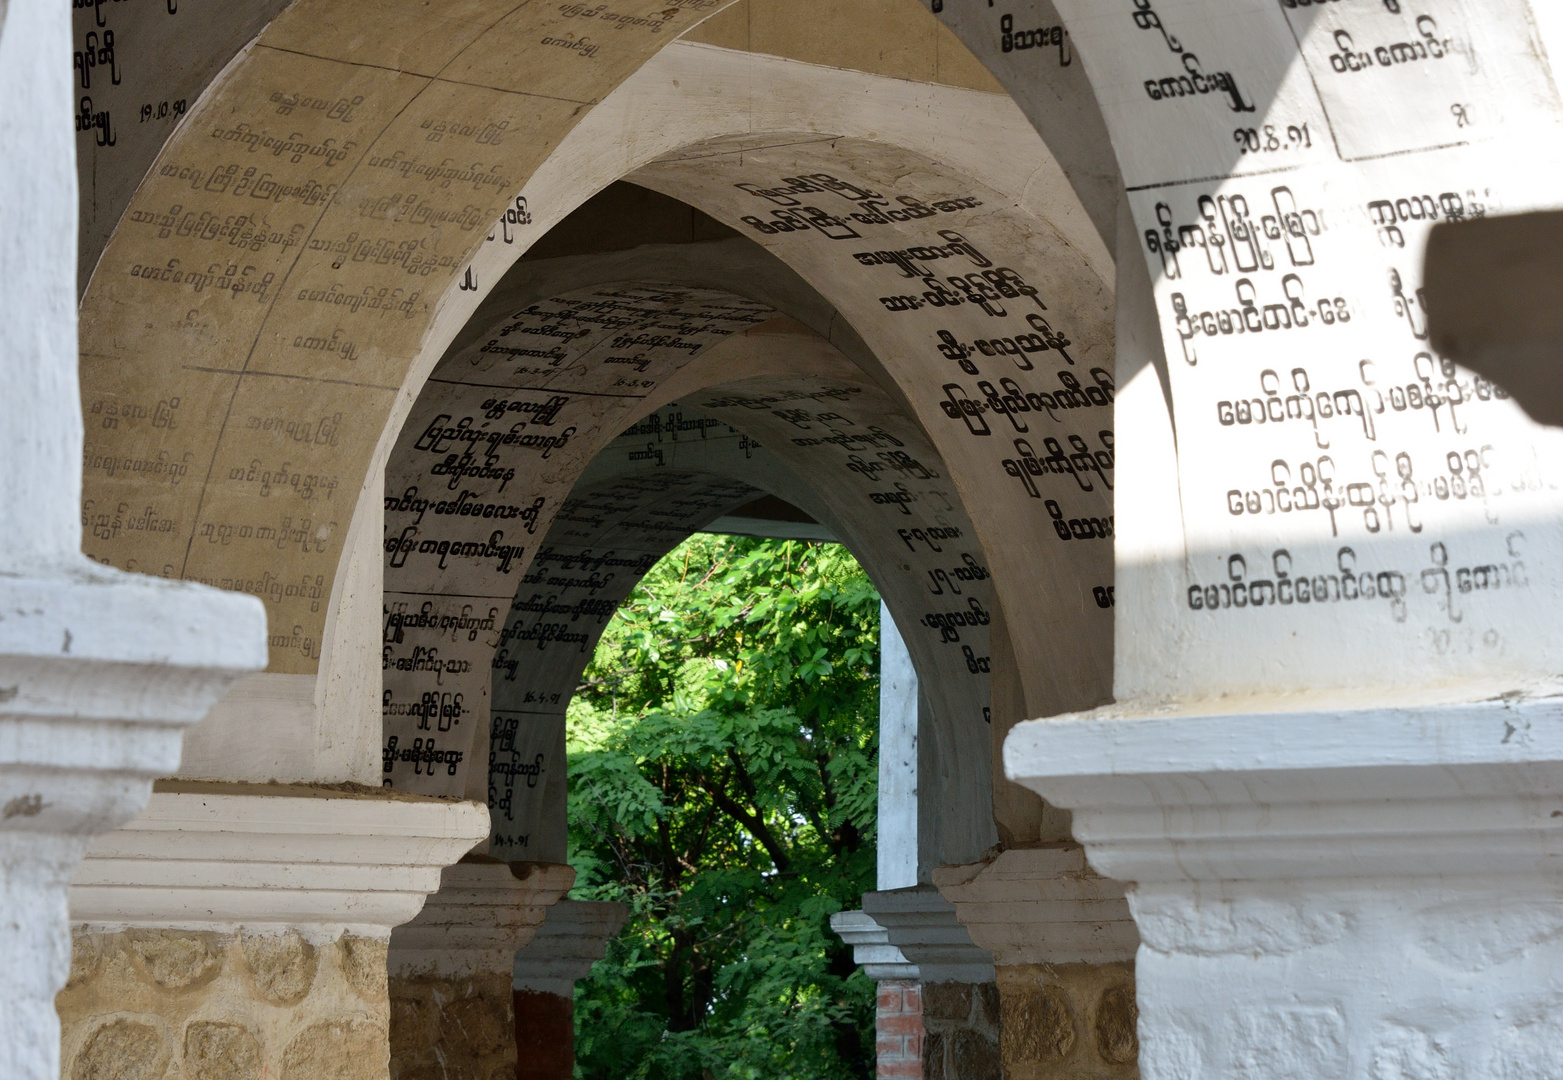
(919, 550)
(460, 531)
(301, 581)
(1256, 176)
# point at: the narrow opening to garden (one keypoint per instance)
(722, 758)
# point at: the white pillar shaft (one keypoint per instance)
(1363, 894)
(40, 409)
(898, 699)
(35, 950)
(99, 671)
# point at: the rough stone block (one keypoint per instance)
(1068, 1020)
(178, 1005)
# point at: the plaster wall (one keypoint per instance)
(310, 621)
(899, 854)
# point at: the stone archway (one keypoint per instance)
(323, 582)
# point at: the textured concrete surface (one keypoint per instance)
(150, 1004)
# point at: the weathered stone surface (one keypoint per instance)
(283, 965)
(961, 1024)
(1117, 1017)
(122, 1050)
(933, 1056)
(86, 959)
(1068, 1021)
(947, 1001)
(174, 959)
(338, 1049)
(1037, 1026)
(188, 1006)
(974, 1056)
(363, 965)
(217, 1050)
(452, 1029)
(988, 1000)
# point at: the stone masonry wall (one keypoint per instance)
(181, 1005)
(962, 1025)
(456, 1028)
(898, 1030)
(1069, 1022)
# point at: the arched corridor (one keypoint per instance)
(1223, 676)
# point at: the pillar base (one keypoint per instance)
(1355, 893)
(241, 929)
(100, 673)
(1063, 943)
(452, 1006)
(573, 938)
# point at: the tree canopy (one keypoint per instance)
(722, 782)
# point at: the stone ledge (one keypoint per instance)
(482, 913)
(100, 673)
(574, 936)
(1041, 906)
(324, 861)
(923, 925)
(871, 948)
(1450, 790)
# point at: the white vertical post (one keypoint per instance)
(40, 409)
(99, 671)
(897, 758)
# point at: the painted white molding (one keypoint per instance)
(871, 948)
(1041, 906)
(483, 913)
(922, 924)
(322, 861)
(573, 938)
(100, 671)
(1348, 893)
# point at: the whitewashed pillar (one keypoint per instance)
(898, 848)
(1333, 777)
(99, 671)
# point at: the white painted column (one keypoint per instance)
(898, 702)
(1331, 774)
(99, 671)
(1350, 892)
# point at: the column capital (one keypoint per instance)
(100, 673)
(483, 912)
(321, 860)
(1333, 890)
(1328, 790)
(572, 938)
(1042, 905)
(922, 925)
(871, 948)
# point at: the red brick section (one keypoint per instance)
(545, 1036)
(898, 1030)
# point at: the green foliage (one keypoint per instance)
(722, 782)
